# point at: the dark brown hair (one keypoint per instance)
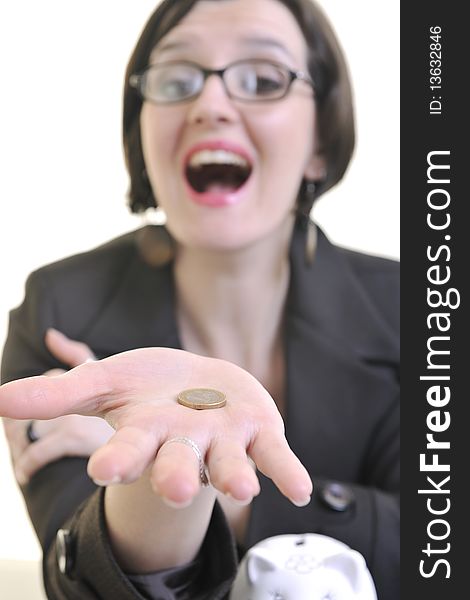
(327, 68)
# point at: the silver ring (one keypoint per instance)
(189, 442)
(30, 434)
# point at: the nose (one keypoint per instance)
(213, 105)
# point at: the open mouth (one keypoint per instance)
(219, 171)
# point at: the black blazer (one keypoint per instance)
(342, 349)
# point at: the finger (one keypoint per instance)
(77, 391)
(68, 351)
(275, 459)
(15, 433)
(54, 372)
(230, 471)
(37, 455)
(124, 458)
(175, 474)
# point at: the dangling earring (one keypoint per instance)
(154, 242)
(311, 233)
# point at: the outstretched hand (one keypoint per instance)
(136, 393)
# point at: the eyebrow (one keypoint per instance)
(267, 42)
(166, 46)
(256, 41)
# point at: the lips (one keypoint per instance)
(216, 172)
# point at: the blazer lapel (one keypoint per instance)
(338, 348)
(328, 296)
(341, 373)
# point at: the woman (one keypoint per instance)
(237, 116)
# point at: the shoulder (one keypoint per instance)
(380, 279)
(74, 291)
(106, 260)
(369, 265)
(105, 297)
(352, 298)
(373, 270)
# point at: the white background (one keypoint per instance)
(63, 181)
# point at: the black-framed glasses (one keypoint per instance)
(246, 80)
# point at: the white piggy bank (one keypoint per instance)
(303, 567)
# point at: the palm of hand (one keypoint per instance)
(136, 393)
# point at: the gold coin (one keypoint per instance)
(202, 398)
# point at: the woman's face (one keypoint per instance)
(276, 140)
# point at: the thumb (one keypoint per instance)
(78, 391)
(69, 352)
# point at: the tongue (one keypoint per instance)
(219, 188)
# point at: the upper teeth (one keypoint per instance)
(220, 157)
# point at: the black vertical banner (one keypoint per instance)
(435, 252)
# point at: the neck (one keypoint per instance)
(231, 303)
